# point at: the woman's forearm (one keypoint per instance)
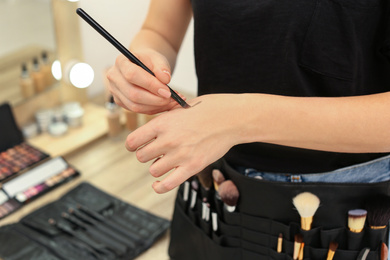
(343, 124)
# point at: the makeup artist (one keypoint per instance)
(288, 90)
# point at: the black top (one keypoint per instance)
(305, 48)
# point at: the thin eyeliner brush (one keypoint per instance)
(124, 51)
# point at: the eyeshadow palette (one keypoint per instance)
(34, 183)
(18, 158)
(16, 154)
(7, 205)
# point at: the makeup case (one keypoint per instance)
(84, 224)
(264, 211)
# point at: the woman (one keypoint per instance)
(336, 101)
(288, 90)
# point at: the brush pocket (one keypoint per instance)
(265, 211)
(100, 227)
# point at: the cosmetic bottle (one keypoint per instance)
(46, 70)
(131, 119)
(38, 76)
(113, 118)
(26, 83)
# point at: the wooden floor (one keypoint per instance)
(106, 164)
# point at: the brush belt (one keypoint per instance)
(264, 211)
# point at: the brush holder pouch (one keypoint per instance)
(85, 224)
(264, 211)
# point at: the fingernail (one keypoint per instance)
(167, 72)
(164, 93)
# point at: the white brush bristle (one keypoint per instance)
(306, 203)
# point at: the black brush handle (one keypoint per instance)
(124, 50)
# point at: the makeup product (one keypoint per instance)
(124, 51)
(378, 212)
(38, 190)
(39, 180)
(229, 195)
(356, 220)
(214, 221)
(110, 242)
(38, 76)
(384, 251)
(298, 240)
(7, 205)
(218, 178)
(113, 118)
(280, 243)
(194, 193)
(205, 178)
(307, 204)
(18, 158)
(131, 120)
(300, 254)
(114, 225)
(44, 118)
(46, 69)
(30, 130)
(64, 227)
(58, 128)
(332, 250)
(363, 254)
(73, 114)
(26, 83)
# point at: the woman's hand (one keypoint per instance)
(135, 89)
(187, 140)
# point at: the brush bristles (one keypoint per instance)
(356, 220)
(307, 204)
(384, 251)
(205, 178)
(218, 178)
(229, 193)
(378, 211)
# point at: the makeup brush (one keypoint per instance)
(186, 190)
(280, 242)
(300, 255)
(307, 204)
(124, 51)
(384, 252)
(378, 209)
(218, 178)
(205, 178)
(332, 250)
(194, 193)
(356, 220)
(298, 240)
(229, 195)
(363, 254)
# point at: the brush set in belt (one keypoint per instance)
(86, 223)
(221, 214)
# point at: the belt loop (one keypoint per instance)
(295, 178)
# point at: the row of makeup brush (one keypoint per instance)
(224, 190)
(377, 214)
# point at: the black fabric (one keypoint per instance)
(265, 210)
(116, 230)
(9, 131)
(296, 48)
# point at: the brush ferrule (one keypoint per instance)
(306, 223)
(378, 227)
(356, 230)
